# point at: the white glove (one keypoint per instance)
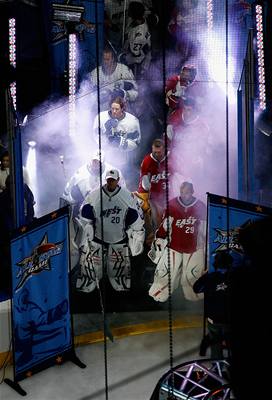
(157, 248)
(136, 241)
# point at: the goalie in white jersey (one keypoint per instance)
(82, 182)
(113, 229)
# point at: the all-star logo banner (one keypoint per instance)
(38, 261)
(40, 306)
(226, 216)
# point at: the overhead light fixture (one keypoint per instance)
(32, 144)
(67, 12)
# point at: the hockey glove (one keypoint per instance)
(118, 93)
(111, 124)
(143, 199)
(114, 140)
(157, 249)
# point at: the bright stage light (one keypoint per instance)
(72, 82)
(32, 143)
(210, 14)
(12, 57)
(216, 56)
(260, 56)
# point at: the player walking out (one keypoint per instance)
(186, 226)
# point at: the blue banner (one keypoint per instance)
(225, 217)
(42, 329)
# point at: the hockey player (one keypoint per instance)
(177, 89)
(4, 169)
(116, 19)
(137, 47)
(85, 180)
(154, 179)
(115, 79)
(185, 225)
(113, 229)
(119, 129)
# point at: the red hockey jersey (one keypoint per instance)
(155, 173)
(184, 224)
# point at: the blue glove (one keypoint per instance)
(118, 93)
(111, 123)
(114, 140)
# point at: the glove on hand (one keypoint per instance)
(118, 93)
(157, 248)
(143, 201)
(114, 140)
(111, 124)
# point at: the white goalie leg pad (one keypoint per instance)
(193, 268)
(91, 267)
(159, 289)
(119, 266)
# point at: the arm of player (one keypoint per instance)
(130, 86)
(86, 225)
(131, 140)
(67, 194)
(131, 90)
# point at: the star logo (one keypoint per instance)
(227, 240)
(29, 374)
(259, 209)
(224, 200)
(38, 261)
